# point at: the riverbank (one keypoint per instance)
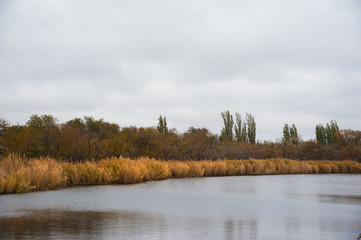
(19, 175)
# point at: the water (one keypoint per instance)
(246, 207)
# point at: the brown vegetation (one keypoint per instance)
(18, 175)
(23, 175)
(88, 138)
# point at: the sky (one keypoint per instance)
(128, 61)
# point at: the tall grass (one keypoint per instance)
(18, 175)
(24, 175)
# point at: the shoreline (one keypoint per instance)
(19, 175)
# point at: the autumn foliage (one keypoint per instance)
(19, 174)
(88, 138)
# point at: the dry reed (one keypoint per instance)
(24, 175)
(179, 169)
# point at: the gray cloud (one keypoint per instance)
(129, 61)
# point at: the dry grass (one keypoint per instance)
(235, 167)
(195, 169)
(19, 175)
(24, 175)
(179, 169)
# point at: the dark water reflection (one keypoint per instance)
(333, 198)
(46, 224)
(262, 207)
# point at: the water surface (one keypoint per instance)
(246, 207)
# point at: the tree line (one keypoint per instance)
(88, 138)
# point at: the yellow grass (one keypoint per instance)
(24, 175)
(18, 175)
(179, 169)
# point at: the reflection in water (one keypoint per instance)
(334, 198)
(262, 207)
(241, 230)
(47, 224)
(72, 224)
(293, 226)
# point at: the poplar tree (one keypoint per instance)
(251, 128)
(327, 135)
(238, 128)
(290, 134)
(286, 133)
(244, 131)
(294, 134)
(330, 132)
(227, 130)
(162, 125)
(320, 134)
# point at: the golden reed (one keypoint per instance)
(19, 175)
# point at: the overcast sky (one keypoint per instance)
(128, 61)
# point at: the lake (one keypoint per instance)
(242, 207)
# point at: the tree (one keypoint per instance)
(330, 132)
(286, 133)
(44, 132)
(98, 134)
(16, 139)
(197, 144)
(294, 134)
(87, 139)
(290, 134)
(289, 139)
(162, 125)
(124, 143)
(148, 142)
(320, 134)
(349, 142)
(244, 131)
(73, 140)
(238, 130)
(327, 135)
(3, 125)
(227, 130)
(251, 128)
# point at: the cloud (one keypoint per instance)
(129, 61)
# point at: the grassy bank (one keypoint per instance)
(19, 175)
